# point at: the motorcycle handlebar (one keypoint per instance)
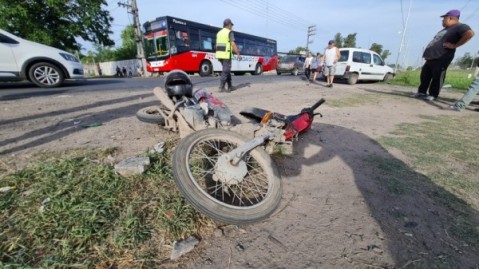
(320, 102)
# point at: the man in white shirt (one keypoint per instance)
(330, 58)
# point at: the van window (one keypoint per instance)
(362, 57)
(344, 56)
(377, 60)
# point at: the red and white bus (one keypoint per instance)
(172, 43)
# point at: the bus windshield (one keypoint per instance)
(157, 44)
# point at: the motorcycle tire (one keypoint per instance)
(253, 198)
(151, 115)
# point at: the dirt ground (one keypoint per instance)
(335, 213)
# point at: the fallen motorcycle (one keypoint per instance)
(225, 171)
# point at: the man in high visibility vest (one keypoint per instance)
(225, 41)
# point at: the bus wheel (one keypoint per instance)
(258, 70)
(206, 69)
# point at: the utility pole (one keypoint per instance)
(140, 52)
(311, 32)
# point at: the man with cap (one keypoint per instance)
(330, 58)
(439, 53)
(225, 45)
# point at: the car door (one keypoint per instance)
(8, 64)
(366, 65)
(380, 68)
(342, 62)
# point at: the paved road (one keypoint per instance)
(19, 90)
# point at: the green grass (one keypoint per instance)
(73, 210)
(445, 157)
(458, 79)
(355, 100)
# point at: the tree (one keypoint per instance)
(350, 41)
(58, 23)
(466, 61)
(128, 45)
(378, 48)
(338, 38)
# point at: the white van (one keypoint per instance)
(45, 66)
(361, 64)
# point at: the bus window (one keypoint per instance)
(207, 40)
(194, 39)
(156, 44)
(182, 41)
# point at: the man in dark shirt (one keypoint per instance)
(439, 53)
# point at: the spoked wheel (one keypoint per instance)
(235, 194)
(151, 114)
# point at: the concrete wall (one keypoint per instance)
(109, 68)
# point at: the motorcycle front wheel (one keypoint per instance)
(244, 193)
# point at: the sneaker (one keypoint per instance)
(455, 108)
(429, 98)
(420, 95)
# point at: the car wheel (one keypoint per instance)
(278, 73)
(46, 75)
(388, 77)
(353, 78)
(295, 72)
(206, 69)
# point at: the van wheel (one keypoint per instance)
(353, 78)
(46, 75)
(258, 70)
(206, 69)
(295, 72)
(388, 77)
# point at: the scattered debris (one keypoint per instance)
(132, 166)
(240, 247)
(410, 224)
(7, 188)
(96, 124)
(159, 148)
(182, 247)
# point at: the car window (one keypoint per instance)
(7, 40)
(377, 60)
(344, 56)
(357, 57)
(366, 57)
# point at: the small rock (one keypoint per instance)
(132, 166)
(218, 233)
(408, 234)
(410, 224)
(240, 247)
(182, 247)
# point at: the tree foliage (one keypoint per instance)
(338, 38)
(57, 23)
(350, 41)
(467, 61)
(378, 48)
(128, 45)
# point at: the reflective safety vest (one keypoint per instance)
(223, 44)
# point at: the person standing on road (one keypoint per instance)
(319, 68)
(330, 58)
(225, 43)
(439, 53)
(307, 65)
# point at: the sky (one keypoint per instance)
(385, 22)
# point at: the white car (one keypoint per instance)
(361, 64)
(45, 66)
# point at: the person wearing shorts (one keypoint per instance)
(330, 58)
